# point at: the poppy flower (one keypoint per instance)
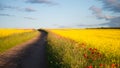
(101, 65)
(90, 66)
(85, 55)
(112, 65)
(92, 52)
(90, 49)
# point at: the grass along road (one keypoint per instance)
(11, 37)
(30, 54)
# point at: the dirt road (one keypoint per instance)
(31, 54)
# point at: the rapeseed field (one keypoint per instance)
(12, 37)
(84, 48)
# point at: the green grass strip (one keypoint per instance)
(13, 40)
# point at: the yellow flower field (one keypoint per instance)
(8, 32)
(106, 40)
(12, 37)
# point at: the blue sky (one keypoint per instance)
(59, 13)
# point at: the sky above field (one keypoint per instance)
(59, 13)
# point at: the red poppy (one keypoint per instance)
(117, 65)
(90, 49)
(92, 52)
(85, 55)
(90, 66)
(95, 49)
(112, 65)
(101, 65)
(98, 53)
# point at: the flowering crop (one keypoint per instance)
(8, 32)
(94, 48)
(11, 37)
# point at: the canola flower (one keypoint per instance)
(99, 47)
(12, 37)
(106, 40)
(8, 32)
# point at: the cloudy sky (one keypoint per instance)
(59, 13)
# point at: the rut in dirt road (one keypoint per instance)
(36, 55)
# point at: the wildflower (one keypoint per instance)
(90, 49)
(98, 53)
(101, 65)
(90, 66)
(95, 49)
(112, 65)
(85, 55)
(92, 52)
(117, 65)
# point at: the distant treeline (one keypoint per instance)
(105, 28)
